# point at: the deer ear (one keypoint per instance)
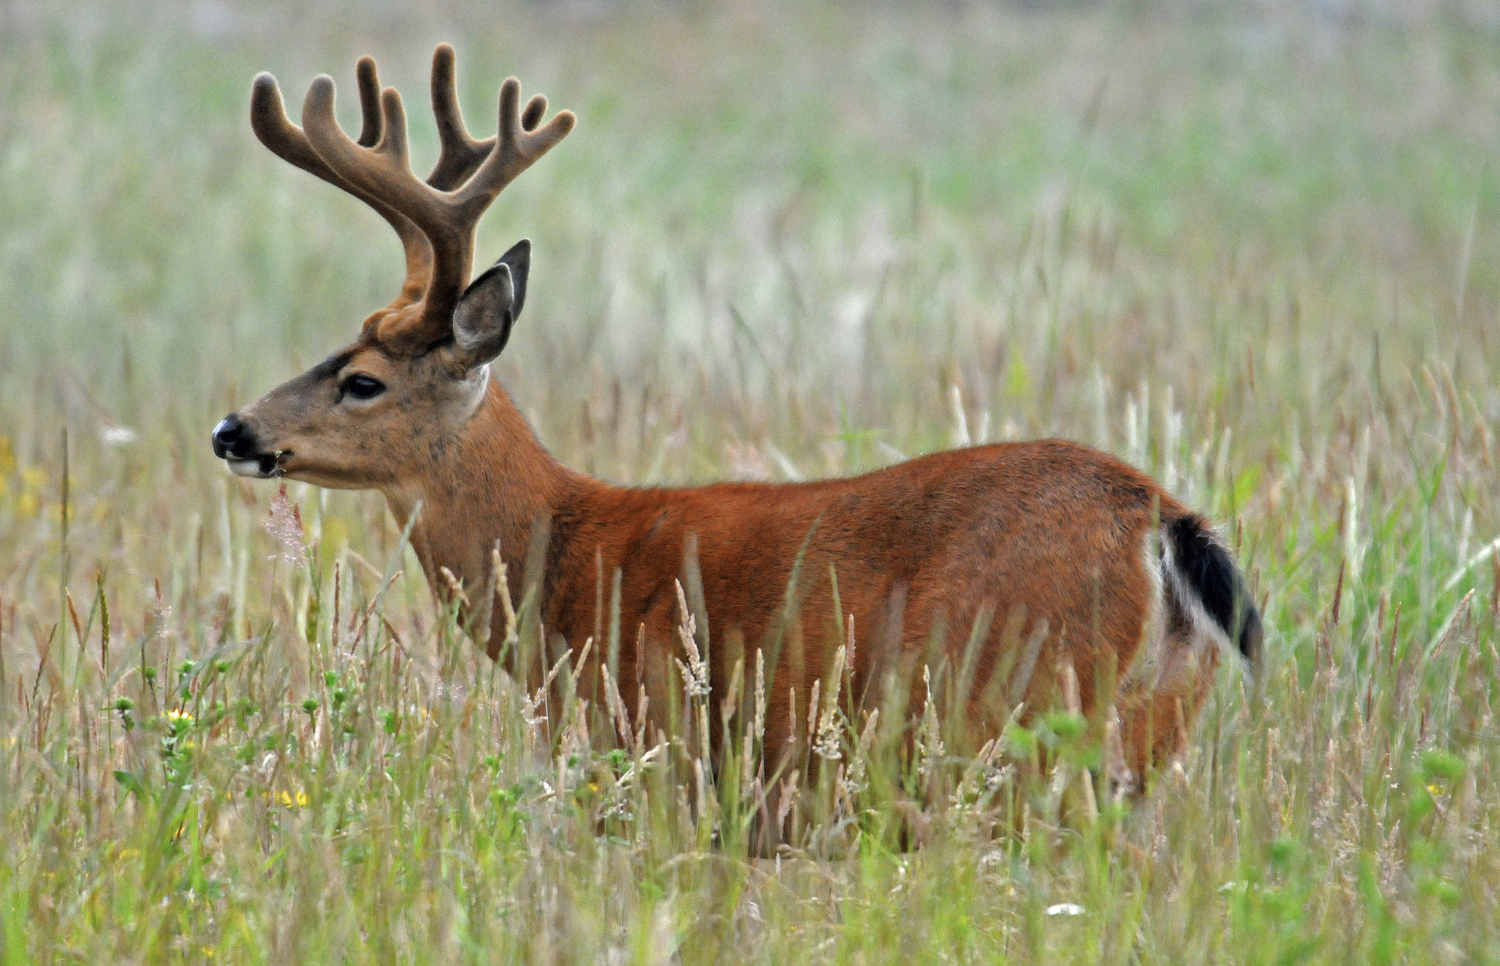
(487, 310)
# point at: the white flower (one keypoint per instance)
(1066, 909)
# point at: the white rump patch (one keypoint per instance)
(1205, 628)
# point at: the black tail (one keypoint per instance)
(1205, 569)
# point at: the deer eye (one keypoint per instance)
(363, 387)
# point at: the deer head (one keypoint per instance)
(420, 367)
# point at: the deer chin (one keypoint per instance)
(263, 467)
(323, 475)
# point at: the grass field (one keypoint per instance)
(1254, 251)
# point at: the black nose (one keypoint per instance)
(233, 439)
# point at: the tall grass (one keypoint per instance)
(1254, 252)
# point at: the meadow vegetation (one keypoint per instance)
(1254, 250)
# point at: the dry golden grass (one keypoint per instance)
(1254, 252)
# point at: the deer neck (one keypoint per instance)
(489, 484)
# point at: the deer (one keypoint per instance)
(1028, 563)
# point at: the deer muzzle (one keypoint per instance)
(235, 443)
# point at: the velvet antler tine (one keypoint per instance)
(287, 141)
(329, 140)
(393, 141)
(445, 109)
(535, 109)
(369, 101)
(318, 121)
(381, 171)
(461, 154)
(272, 127)
(509, 127)
(515, 151)
(546, 138)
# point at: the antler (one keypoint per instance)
(269, 121)
(461, 154)
(435, 219)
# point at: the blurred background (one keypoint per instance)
(1251, 247)
(786, 240)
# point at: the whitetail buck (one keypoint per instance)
(1044, 554)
